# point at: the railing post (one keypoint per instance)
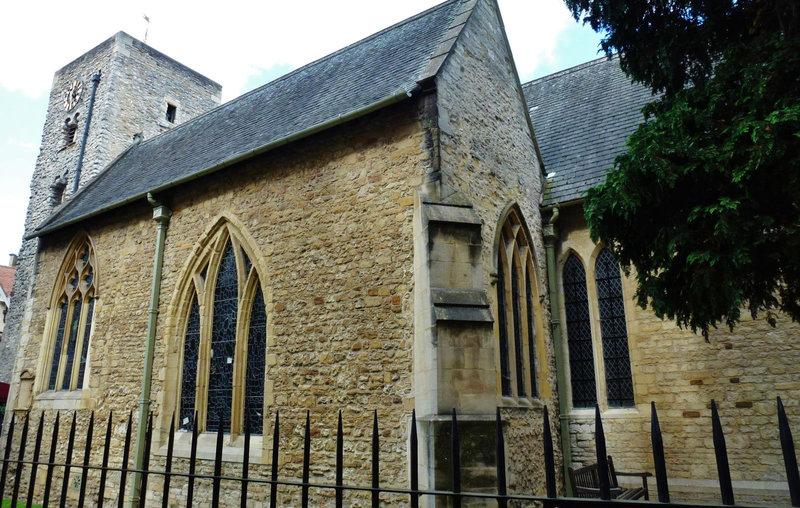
(659, 462)
(20, 458)
(414, 473)
(68, 460)
(123, 474)
(549, 458)
(501, 461)
(375, 461)
(192, 462)
(51, 459)
(273, 488)
(721, 451)
(306, 460)
(789, 457)
(6, 454)
(455, 450)
(104, 471)
(87, 452)
(602, 456)
(36, 450)
(245, 459)
(168, 463)
(145, 474)
(217, 465)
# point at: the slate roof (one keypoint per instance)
(371, 73)
(582, 117)
(7, 278)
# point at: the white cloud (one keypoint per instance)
(232, 40)
(20, 143)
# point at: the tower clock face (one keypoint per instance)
(72, 95)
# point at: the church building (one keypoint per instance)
(397, 227)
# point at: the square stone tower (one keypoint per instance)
(139, 93)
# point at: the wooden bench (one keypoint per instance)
(586, 483)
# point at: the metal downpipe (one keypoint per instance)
(161, 214)
(550, 239)
(95, 82)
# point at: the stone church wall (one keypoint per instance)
(331, 219)
(136, 83)
(488, 160)
(743, 371)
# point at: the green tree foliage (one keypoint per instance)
(705, 204)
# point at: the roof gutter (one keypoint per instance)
(327, 124)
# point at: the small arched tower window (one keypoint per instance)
(616, 357)
(70, 128)
(515, 323)
(72, 309)
(579, 334)
(227, 319)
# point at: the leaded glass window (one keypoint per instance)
(229, 383)
(616, 357)
(72, 312)
(515, 310)
(579, 334)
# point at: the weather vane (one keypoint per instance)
(147, 27)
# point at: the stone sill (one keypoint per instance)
(505, 402)
(232, 450)
(608, 413)
(66, 146)
(59, 400)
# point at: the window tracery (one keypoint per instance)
(72, 312)
(515, 310)
(224, 341)
(579, 334)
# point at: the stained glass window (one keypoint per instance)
(579, 334)
(85, 346)
(514, 253)
(62, 323)
(519, 361)
(223, 343)
(191, 346)
(505, 373)
(70, 340)
(230, 381)
(256, 360)
(619, 385)
(531, 335)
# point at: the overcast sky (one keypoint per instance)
(241, 45)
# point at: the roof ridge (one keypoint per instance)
(570, 70)
(305, 66)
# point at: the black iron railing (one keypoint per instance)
(11, 484)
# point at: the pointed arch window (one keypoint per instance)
(579, 334)
(224, 341)
(616, 357)
(515, 323)
(72, 310)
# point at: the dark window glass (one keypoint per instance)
(531, 335)
(171, 112)
(505, 372)
(73, 337)
(223, 343)
(619, 384)
(62, 323)
(256, 360)
(520, 361)
(579, 334)
(191, 345)
(247, 263)
(87, 330)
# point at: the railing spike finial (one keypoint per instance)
(602, 455)
(500, 459)
(414, 461)
(339, 446)
(549, 456)
(789, 456)
(455, 450)
(659, 461)
(276, 439)
(375, 461)
(721, 452)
